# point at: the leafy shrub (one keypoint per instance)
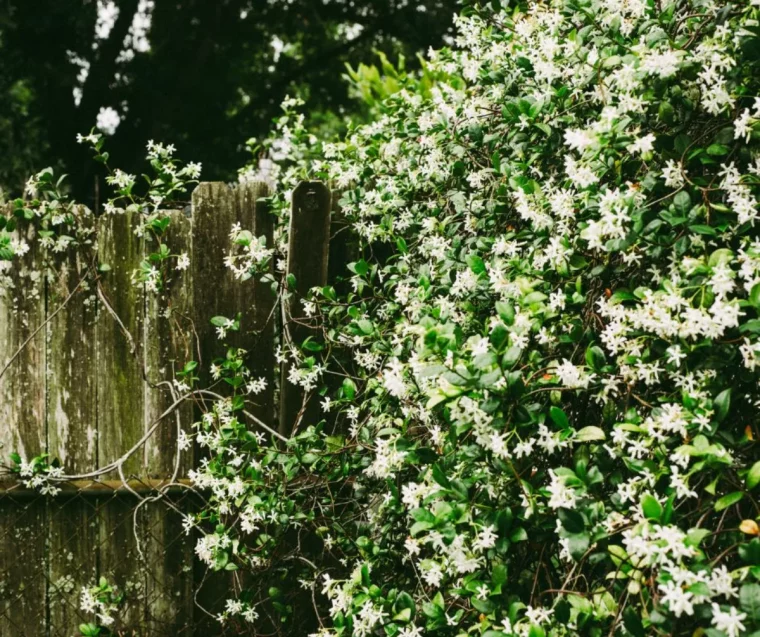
(549, 349)
(539, 379)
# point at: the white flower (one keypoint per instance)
(486, 539)
(642, 145)
(673, 173)
(677, 599)
(728, 622)
(482, 592)
(108, 120)
(183, 261)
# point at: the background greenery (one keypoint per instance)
(210, 82)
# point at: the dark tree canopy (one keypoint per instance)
(214, 76)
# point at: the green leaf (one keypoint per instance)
(727, 500)
(534, 297)
(559, 417)
(404, 605)
(590, 433)
(749, 552)
(361, 267)
(506, 312)
(365, 326)
(595, 357)
(666, 112)
(717, 150)
(312, 346)
(753, 476)
(682, 202)
(703, 229)
(754, 295)
(749, 598)
(571, 520)
(349, 388)
(499, 336)
(439, 475)
(499, 574)
(620, 296)
(651, 508)
(476, 264)
(722, 404)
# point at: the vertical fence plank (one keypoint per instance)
(216, 209)
(22, 567)
(22, 429)
(169, 344)
(120, 400)
(307, 262)
(120, 354)
(259, 330)
(71, 426)
(22, 387)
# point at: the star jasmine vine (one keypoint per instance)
(538, 379)
(548, 347)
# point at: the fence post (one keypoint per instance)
(307, 261)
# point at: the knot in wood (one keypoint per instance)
(311, 201)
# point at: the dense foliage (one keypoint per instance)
(547, 418)
(539, 379)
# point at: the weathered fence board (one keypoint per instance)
(23, 429)
(308, 251)
(169, 344)
(218, 207)
(71, 424)
(22, 385)
(22, 568)
(259, 306)
(96, 374)
(120, 396)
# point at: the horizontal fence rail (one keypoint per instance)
(89, 359)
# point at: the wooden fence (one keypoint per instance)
(83, 383)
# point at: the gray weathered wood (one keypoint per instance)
(72, 553)
(22, 387)
(71, 424)
(119, 559)
(217, 207)
(120, 393)
(120, 402)
(22, 429)
(258, 330)
(169, 344)
(308, 248)
(23, 611)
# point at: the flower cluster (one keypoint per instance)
(549, 342)
(103, 601)
(38, 473)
